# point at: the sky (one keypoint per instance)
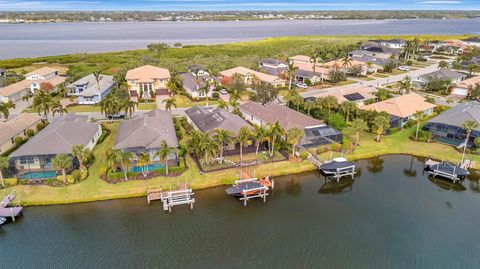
(225, 5)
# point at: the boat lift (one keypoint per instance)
(446, 170)
(183, 196)
(246, 189)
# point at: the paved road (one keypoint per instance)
(375, 83)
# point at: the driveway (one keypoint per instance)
(377, 82)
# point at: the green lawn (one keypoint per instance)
(147, 106)
(83, 108)
(381, 75)
(94, 188)
(183, 101)
(399, 143)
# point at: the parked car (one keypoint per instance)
(403, 68)
(223, 91)
(301, 85)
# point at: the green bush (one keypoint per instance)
(410, 123)
(76, 175)
(409, 62)
(40, 126)
(395, 130)
(336, 121)
(303, 155)
(30, 132)
(215, 95)
(9, 182)
(18, 140)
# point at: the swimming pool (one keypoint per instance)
(151, 167)
(39, 175)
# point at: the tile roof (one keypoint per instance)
(471, 82)
(246, 71)
(147, 73)
(207, 119)
(147, 131)
(16, 125)
(286, 117)
(302, 58)
(60, 136)
(15, 88)
(401, 106)
(366, 92)
(42, 71)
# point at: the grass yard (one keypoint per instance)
(399, 143)
(183, 102)
(381, 75)
(93, 188)
(84, 108)
(147, 106)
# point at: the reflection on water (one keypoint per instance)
(381, 219)
(447, 184)
(375, 165)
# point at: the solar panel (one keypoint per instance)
(354, 97)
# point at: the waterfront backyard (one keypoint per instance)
(391, 216)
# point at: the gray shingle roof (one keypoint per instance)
(147, 131)
(92, 89)
(460, 113)
(207, 119)
(272, 61)
(60, 136)
(286, 117)
(443, 73)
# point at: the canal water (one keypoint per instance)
(391, 216)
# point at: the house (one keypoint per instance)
(445, 74)
(465, 87)
(447, 126)
(395, 43)
(357, 94)
(316, 131)
(206, 119)
(250, 76)
(304, 72)
(3, 72)
(58, 137)
(349, 67)
(198, 74)
(31, 84)
(300, 59)
(89, 90)
(144, 81)
(273, 66)
(402, 108)
(375, 51)
(450, 50)
(465, 64)
(146, 133)
(16, 127)
(472, 41)
(373, 64)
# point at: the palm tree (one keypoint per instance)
(298, 101)
(346, 61)
(170, 103)
(260, 134)
(98, 77)
(348, 108)
(143, 162)
(443, 65)
(206, 91)
(294, 136)
(275, 132)
(110, 105)
(468, 126)
(308, 105)
(56, 107)
(222, 137)
(206, 144)
(125, 158)
(81, 153)
(291, 74)
(359, 125)
(329, 102)
(4, 109)
(62, 162)
(291, 96)
(380, 123)
(174, 85)
(314, 55)
(163, 154)
(129, 107)
(4, 160)
(26, 97)
(405, 84)
(243, 138)
(418, 116)
(222, 104)
(42, 103)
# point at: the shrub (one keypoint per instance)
(304, 155)
(336, 121)
(395, 130)
(18, 140)
(424, 136)
(410, 123)
(10, 181)
(30, 132)
(102, 171)
(440, 108)
(335, 147)
(40, 126)
(409, 62)
(215, 95)
(76, 176)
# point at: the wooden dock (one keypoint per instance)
(8, 211)
(181, 196)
